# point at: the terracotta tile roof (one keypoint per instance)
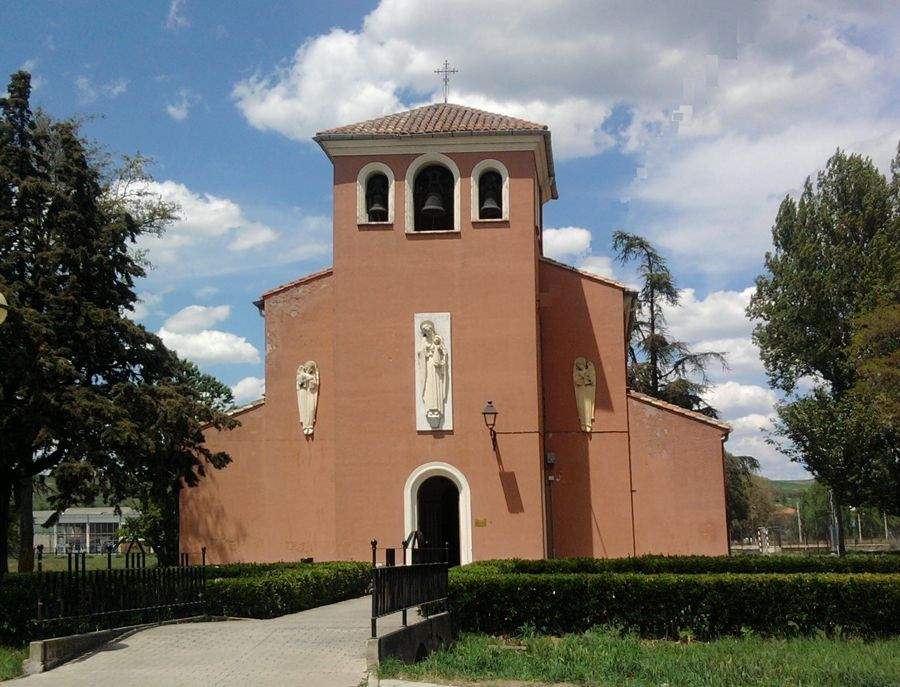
(589, 275)
(440, 118)
(692, 414)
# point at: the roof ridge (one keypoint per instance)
(434, 118)
(690, 414)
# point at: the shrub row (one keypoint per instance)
(255, 590)
(287, 589)
(686, 565)
(668, 605)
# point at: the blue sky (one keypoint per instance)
(685, 122)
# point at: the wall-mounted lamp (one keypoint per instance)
(490, 414)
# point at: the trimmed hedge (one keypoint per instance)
(18, 606)
(687, 565)
(287, 589)
(255, 590)
(667, 605)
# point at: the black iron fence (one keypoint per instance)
(401, 587)
(80, 600)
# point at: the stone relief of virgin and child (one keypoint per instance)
(434, 363)
(308, 394)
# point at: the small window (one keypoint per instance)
(433, 199)
(377, 198)
(490, 195)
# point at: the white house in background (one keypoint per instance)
(85, 529)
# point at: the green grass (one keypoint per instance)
(11, 661)
(606, 657)
(93, 562)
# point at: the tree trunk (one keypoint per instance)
(5, 495)
(837, 524)
(24, 501)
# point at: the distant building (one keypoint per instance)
(84, 529)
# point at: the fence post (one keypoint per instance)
(40, 557)
(374, 592)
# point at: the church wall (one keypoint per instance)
(679, 499)
(484, 276)
(590, 494)
(222, 511)
(275, 501)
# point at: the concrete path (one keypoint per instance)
(322, 647)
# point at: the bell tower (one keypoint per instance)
(437, 220)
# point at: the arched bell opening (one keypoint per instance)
(490, 195)
(377, 199)
(433, 196)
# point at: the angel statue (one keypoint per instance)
(584, 376)
(308, 394)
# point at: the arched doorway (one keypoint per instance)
(438, 515)
(437, 501)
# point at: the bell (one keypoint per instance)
(377, 211)
(433, 206)
(490, 209)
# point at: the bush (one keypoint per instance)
(687, 565)
(18, 606)
(668, 605)
(257, 590)
(286, 589)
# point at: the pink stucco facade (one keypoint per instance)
(647, 478)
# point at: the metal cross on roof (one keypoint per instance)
(446, 72)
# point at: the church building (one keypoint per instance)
(444, 377)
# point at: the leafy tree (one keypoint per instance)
(77, 375)
(660, 366)
(835, 265)
(738, 486)
(171, 417)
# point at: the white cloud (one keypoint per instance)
(88, 91)
(213, 236)
(30, 66)
(175, 19)
(210, 346)
(146, 304)
(180, 109)
(741, 353)
(196, 317)
(573, 245)
(187, 332)
(600, 265)
(719, 315)
(738, 400)
(685, 73)
(248, 389)
(566, 242)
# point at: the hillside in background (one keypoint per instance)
(789, 491)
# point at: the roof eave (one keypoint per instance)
(323, 138)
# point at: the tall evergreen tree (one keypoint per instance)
(660, 366)
(171, 417)
(835, 261)
(76, 370)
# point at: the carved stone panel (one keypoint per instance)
(308, 395)
(584, 377)
(433, 363)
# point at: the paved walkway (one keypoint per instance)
(322, 647)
